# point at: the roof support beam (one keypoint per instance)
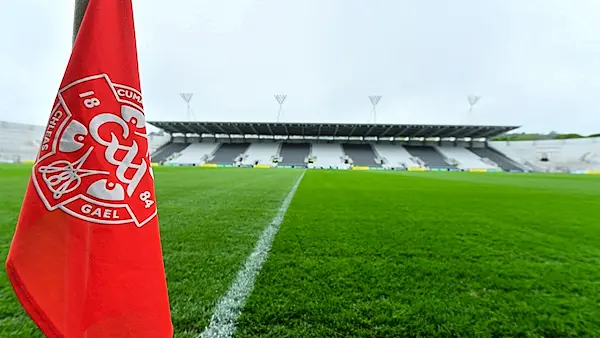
(206, 130)
(270, 130)
(480, 132)
(352, 130)
(491, 133)
(420, 132)
(221, 129)
(401, 132)
(237, 128)
(443, 131)
(457, 132)
(187, 128)
(386, 131)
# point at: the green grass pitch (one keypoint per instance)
(370, 254)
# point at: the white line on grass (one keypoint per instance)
(230, 306)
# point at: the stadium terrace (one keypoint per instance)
(333, 146)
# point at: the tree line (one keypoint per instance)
(535, 137)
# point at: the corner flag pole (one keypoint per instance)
(80, 7)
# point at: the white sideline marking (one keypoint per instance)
(230, 306)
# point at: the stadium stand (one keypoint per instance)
(554, 155)
(228, 153)
(336, 145)
(261, 153)
(167, 151)
(430, 156)
(465, 159)
(157, 140)
(328, 156)
(19, 142)
(495, 156)
(294, 154)
(196, 153)
(362, 155)
(395, 156)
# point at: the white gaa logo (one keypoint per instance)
(93, 162)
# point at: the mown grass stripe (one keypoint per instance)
(230, 306)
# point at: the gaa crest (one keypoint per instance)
(93, 162)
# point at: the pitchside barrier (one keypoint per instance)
(291, 167)
(585, 172)
(360, 168)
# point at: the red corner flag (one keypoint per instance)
(86, 259)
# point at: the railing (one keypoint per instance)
(172, 157)
(452, 161)
(530, 166)
(488, 161)
(418, 161)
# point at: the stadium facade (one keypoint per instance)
(340, 146)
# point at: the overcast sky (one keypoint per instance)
(536, 63)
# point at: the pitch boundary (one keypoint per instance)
(229, 308)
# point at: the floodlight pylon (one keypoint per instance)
(473, 99)
(374, 101)
(280, 100)
(187, 97)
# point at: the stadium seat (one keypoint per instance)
(328, 155)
